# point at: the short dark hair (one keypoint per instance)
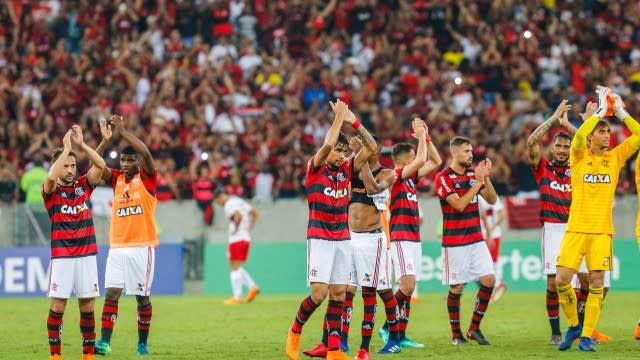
(562, 135)
(342, 139)
(129, 150)
(57, 152)
(400, 149)
(458, 140)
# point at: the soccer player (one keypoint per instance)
(491, 216)
(554, 179)
(595, 172)
(242, 219)
(636, 332)
(465, 254)
(329, 255)
(73, 267)
(132, 234)
(404, 224)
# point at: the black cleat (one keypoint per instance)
(477, 336)
(459, 340)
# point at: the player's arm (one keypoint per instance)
(331, 138)
(591, 116)
(433, 158)
(488, 192)
(255, 215)
(420, 133)
(136, 144)
(107, 133)
(533, 142)
(98, 165)
(369, 143)
(236, 219)
(57, 169)
(460, 202)
(374, 185)
(564, 122)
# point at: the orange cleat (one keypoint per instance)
(293, 345)
(600, 336)
(337, 355)
(232, 301)
(636, 332)
(253, 293)
(56, 357)
(88, 357)
(414, 299)
(319, 351)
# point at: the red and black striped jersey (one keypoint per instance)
(328, 199)
(72, 230)
(404, 224)
(459, 227)
(555, 191)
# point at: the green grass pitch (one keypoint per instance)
(200, 327)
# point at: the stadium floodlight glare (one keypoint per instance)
(113, 154)
(527, 34)
(458, 80)
(204, 156)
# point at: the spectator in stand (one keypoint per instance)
(204, 176)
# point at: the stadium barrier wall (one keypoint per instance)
(280, 268)
(24, 270)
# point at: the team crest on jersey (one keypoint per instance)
(410, 182)
(340, 176)
(605, 163)
(597, 178)
(567, 172)
(457, 186)
(472, 182)
(79, 191)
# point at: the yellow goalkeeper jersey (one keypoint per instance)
(593, 185)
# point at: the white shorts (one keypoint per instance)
(552, 234)
(371, 260)
(406, 257)
(131, 269)
(329, 262)
(583, 269)
(462, 264)
(78, 275)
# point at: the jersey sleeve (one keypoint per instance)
(114, 177)
(576, 154)
(310, 168)
(444, 186)
(537, 172)
(624, 151)
(149, 180)
(84, 182)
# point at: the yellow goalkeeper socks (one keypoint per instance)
(567, 299)
(592, 311)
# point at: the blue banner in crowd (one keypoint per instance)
(24, 271)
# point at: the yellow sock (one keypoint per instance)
(592, 311)
(567, 300)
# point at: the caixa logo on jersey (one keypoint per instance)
(560, 187)
(66, 209)
(597, 178)
(412, 197)
(130, 210)
(336, 194)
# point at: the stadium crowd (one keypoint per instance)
(235, 92)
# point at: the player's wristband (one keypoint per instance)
(356, 124)
(428, 138)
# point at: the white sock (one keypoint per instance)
(247, 278)
(236, 283)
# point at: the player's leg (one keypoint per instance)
(569, 258)
(114, 283)
(61, 276)
(392, 343)
(453, 261)
(254, 290)
(500, 286)
(346, 316)
(599, 257)
(552, 235)
(581, 287)
(341, 277)
(408, 254)
(235, 276)
(480, 267)
(320, 258)
(599, 337)
(138, 281)
(87, 326)
(87, 290)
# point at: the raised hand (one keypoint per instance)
(589, 111)
(350, 117)
(355, 144)
(66, 140)
(564, 120)
(76, 135)
(419, 128)
(603, 103)
(481, 171)
(105, 130)
(118, 121)
(562, 108)
(620, 112)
